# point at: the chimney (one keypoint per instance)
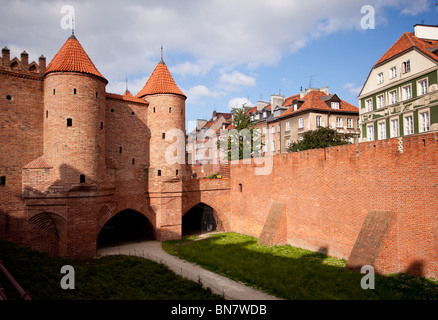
(200, 123)
(261, 105)
(426, 32)
(24, 59)
(42, 64)
(6, 56)
(214, 115)
(277, 100)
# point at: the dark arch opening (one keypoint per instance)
(126, 226)
(198, 220)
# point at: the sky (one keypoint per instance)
(221, 53)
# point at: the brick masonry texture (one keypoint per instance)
(117, 144)
(328, 195)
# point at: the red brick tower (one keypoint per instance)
(74, 116)
(166, 121)
(166, 118)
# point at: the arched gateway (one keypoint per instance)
(126, 226)
(201, 218)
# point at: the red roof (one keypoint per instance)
(72, 58)
(313, 101)
(127, 96)
(160, 81)
(407, 41)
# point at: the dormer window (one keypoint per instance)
(295, 106)
(264, 114)
(335, 105)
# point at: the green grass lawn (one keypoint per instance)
(108, 278)
(293, 273)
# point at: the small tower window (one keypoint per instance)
(163, 135)
(53, 91)
(120, 150)
(112, 110)
(170, 109)
(74, 91)
(154, 109)
(97, 94)
(2, 181)
(8, 97)
(240, 187)
(69, 122)
(176, 172)
(133, 160)
(47, 113)
(132, 113)
(159, 173)
(82, 178)
(101, 125)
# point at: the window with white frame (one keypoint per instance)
(392, 72)
(273, 129)
(287, 126)
(301, 123)
(370, 132)
(287, 143)
(380, 102)
(278, 127)
(394, 128)
(382, 130)
(339, 122)
(318, 121)
(424, 121)
(295, 106)
(380, 78)
(409, 125)
(407, 92)
(264, 130)
(335, 105)
(301, 138)
(350, 123)
(422, 86)
(369, 104)
(406, 66)
(393, 96)
(273, 145)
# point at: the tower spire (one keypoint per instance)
(162, 54)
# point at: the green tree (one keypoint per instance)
(240, 138)
(322, 137)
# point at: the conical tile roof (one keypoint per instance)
(160, 81)
(72, 58)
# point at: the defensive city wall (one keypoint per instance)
(371, 204)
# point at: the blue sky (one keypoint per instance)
(220, 52)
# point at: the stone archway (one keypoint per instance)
(44, 232)
(126, 226)
(200, 219)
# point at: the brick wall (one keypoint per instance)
(328, 195)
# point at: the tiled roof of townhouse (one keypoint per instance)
(72, 58)
(160, 82)
(407, 41)
(315, 100)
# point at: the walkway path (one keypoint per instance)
(220, 285)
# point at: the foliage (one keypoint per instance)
(322, 137)
(241, 140)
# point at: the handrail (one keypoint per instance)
(23, 294)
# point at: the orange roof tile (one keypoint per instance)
(160, 81)
(72, 58)
(407, 41)
(313, 101)
(127, 96)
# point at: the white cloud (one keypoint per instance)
(238, 102)
(196, 93)
(352, 88)
(234, 80)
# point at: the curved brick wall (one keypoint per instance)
(79, 149)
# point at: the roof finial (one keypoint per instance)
(162, 53)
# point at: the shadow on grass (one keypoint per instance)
(293, 273)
